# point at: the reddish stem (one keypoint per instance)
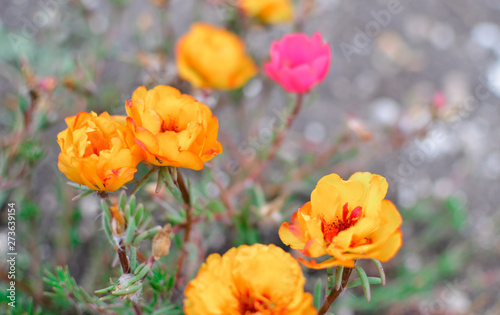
(137, 309)
(122, 255)
(275, 146)
(187, 202)
(224, 195)
(335, 293)
(322, 158)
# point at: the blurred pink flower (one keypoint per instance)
(439, 99)
(298, 62)
(47, 84)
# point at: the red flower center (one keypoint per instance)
(330, 230)
(255, 305)
(169, 126)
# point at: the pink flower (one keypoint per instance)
(439, 99)
(298, 63)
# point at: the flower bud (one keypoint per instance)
(161, 242)
(118, 221)
(359, 129)
(47, 84)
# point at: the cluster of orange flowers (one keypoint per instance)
(344, 221)
(163, 127)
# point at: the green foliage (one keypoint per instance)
(168, 309)
(136, 219)
(162, 285)
(130, 284)
(31, 151)
(317, 294)
(23, 103)
(457, 211)
(247, 233)
(65, 292)
(29, 211)
(24, 304)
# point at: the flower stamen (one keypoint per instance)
(170, 126)
(330, 230)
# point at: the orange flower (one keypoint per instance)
(346, 220)
(209, 56)
(98, 151)
(255, 279)
(173, 128)
(268, 11)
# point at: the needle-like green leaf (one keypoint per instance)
(317, 297)
(364, 282)
(380, 269)
(338, 277)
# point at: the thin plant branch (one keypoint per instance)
(143, 180)
(335, 292)
(122, 255)
(275, 146)
(181, 183)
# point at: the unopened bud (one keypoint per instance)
(118, 221)
(160, 3)
(359, 129)
(47, 84)
(69, 83)
(161, 242)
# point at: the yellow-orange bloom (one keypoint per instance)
(346, 220)
(268, 11)
(173, 128)
(98, 151)
(212, 57)
(255, 279)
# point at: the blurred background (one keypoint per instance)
(412, 94)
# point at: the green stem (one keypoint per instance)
(143, 180)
